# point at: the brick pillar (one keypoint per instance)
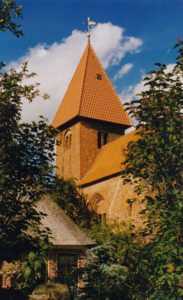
(7, 281)
(81, 264)
(52, 265)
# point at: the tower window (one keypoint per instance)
(105, 138)
(99, 140)
(67, 139)
(99, 76)
(102, 139)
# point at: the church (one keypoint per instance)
(92, 121)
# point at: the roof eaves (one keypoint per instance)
(100, 179)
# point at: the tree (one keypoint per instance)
(26, 170)
(155, 164)
(8, 12)
(26, 166)
(67, 196)
(102, 277)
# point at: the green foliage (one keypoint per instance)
(156, 159)
(102, 277)
(129, 249)
(26, 166)
(67, 196)
(9, 11)
(118, 235)
(26, 171)
(125, 243)
(32, 271)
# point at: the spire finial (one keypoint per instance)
(88, 36)
(90, 23)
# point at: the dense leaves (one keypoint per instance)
(156, 159)
(9, 11)
(102, 277)
(74, 204)
(33, 271)
(119, 236)
(26, 165)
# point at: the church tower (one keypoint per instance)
(90, 115)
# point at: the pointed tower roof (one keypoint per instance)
(91, 95)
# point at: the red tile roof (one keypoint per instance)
(109, 160)
(90, 97)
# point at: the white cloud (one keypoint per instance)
(124, 70)
(55, 64)
(132, 91)
(111, 45)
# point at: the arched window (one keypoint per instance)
(67, 139)
(99, 205)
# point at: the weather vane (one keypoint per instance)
(90, 24)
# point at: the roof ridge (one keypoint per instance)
(84, 79)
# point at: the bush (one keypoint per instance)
(51, 291)
(102, 278)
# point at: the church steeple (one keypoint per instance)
(90, 115)
(91, 95)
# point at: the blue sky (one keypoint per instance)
(130, 36)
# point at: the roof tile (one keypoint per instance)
(90, 97)
(106, 163)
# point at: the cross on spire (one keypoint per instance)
(90, 23)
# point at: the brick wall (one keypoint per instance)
(74, 161)
(88, 145)
(68, 158)
(81, 264)
(89, 140)
(115, 195)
